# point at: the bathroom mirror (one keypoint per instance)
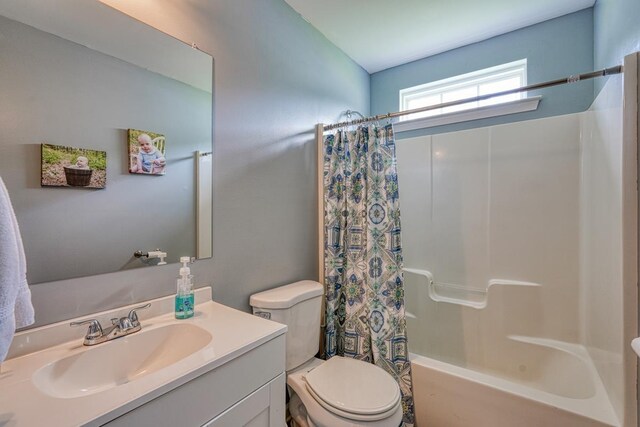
(84, 86)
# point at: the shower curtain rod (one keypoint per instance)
(570, 79)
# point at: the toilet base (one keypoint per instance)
(298, 412)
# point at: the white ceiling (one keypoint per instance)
(379, 34)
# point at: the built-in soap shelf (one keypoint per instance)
(462, 295)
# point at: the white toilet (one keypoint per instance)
(334, 393)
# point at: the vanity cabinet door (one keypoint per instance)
(262, 408)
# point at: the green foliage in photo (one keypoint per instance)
(55, 154)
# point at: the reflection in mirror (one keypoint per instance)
(204, 202)
(58, 91)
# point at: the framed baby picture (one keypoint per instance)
(63, 166)
(146, 152)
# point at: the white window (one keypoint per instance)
(490, 80)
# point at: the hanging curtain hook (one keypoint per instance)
(352, 120)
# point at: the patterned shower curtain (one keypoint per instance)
(365, 314)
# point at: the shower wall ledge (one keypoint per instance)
(467, 296)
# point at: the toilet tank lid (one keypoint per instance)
(286, 296)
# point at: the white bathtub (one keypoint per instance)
(479, 359)
(548, 384)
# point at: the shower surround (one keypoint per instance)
(520, 268)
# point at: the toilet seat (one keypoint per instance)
(353, 389)
(320, 416)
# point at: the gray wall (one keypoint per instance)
(275, 77)
(554, 49)
(616, 32)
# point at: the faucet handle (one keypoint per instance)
(133, 315)
(123, 323)
(94, 331)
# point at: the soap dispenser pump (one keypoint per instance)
(184, 295)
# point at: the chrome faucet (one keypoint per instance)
(120, 327)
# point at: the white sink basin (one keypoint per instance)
(49, 371)
(119, 361)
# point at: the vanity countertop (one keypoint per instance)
(22, 403)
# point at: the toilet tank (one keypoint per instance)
(298, 306)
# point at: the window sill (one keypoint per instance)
(519, 106)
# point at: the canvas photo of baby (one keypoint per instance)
(63, 166)
(146, 152)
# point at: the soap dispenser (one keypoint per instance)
(184, 295)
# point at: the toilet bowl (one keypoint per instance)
(339, 392)
(331, 397)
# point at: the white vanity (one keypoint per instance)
(222, 367)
